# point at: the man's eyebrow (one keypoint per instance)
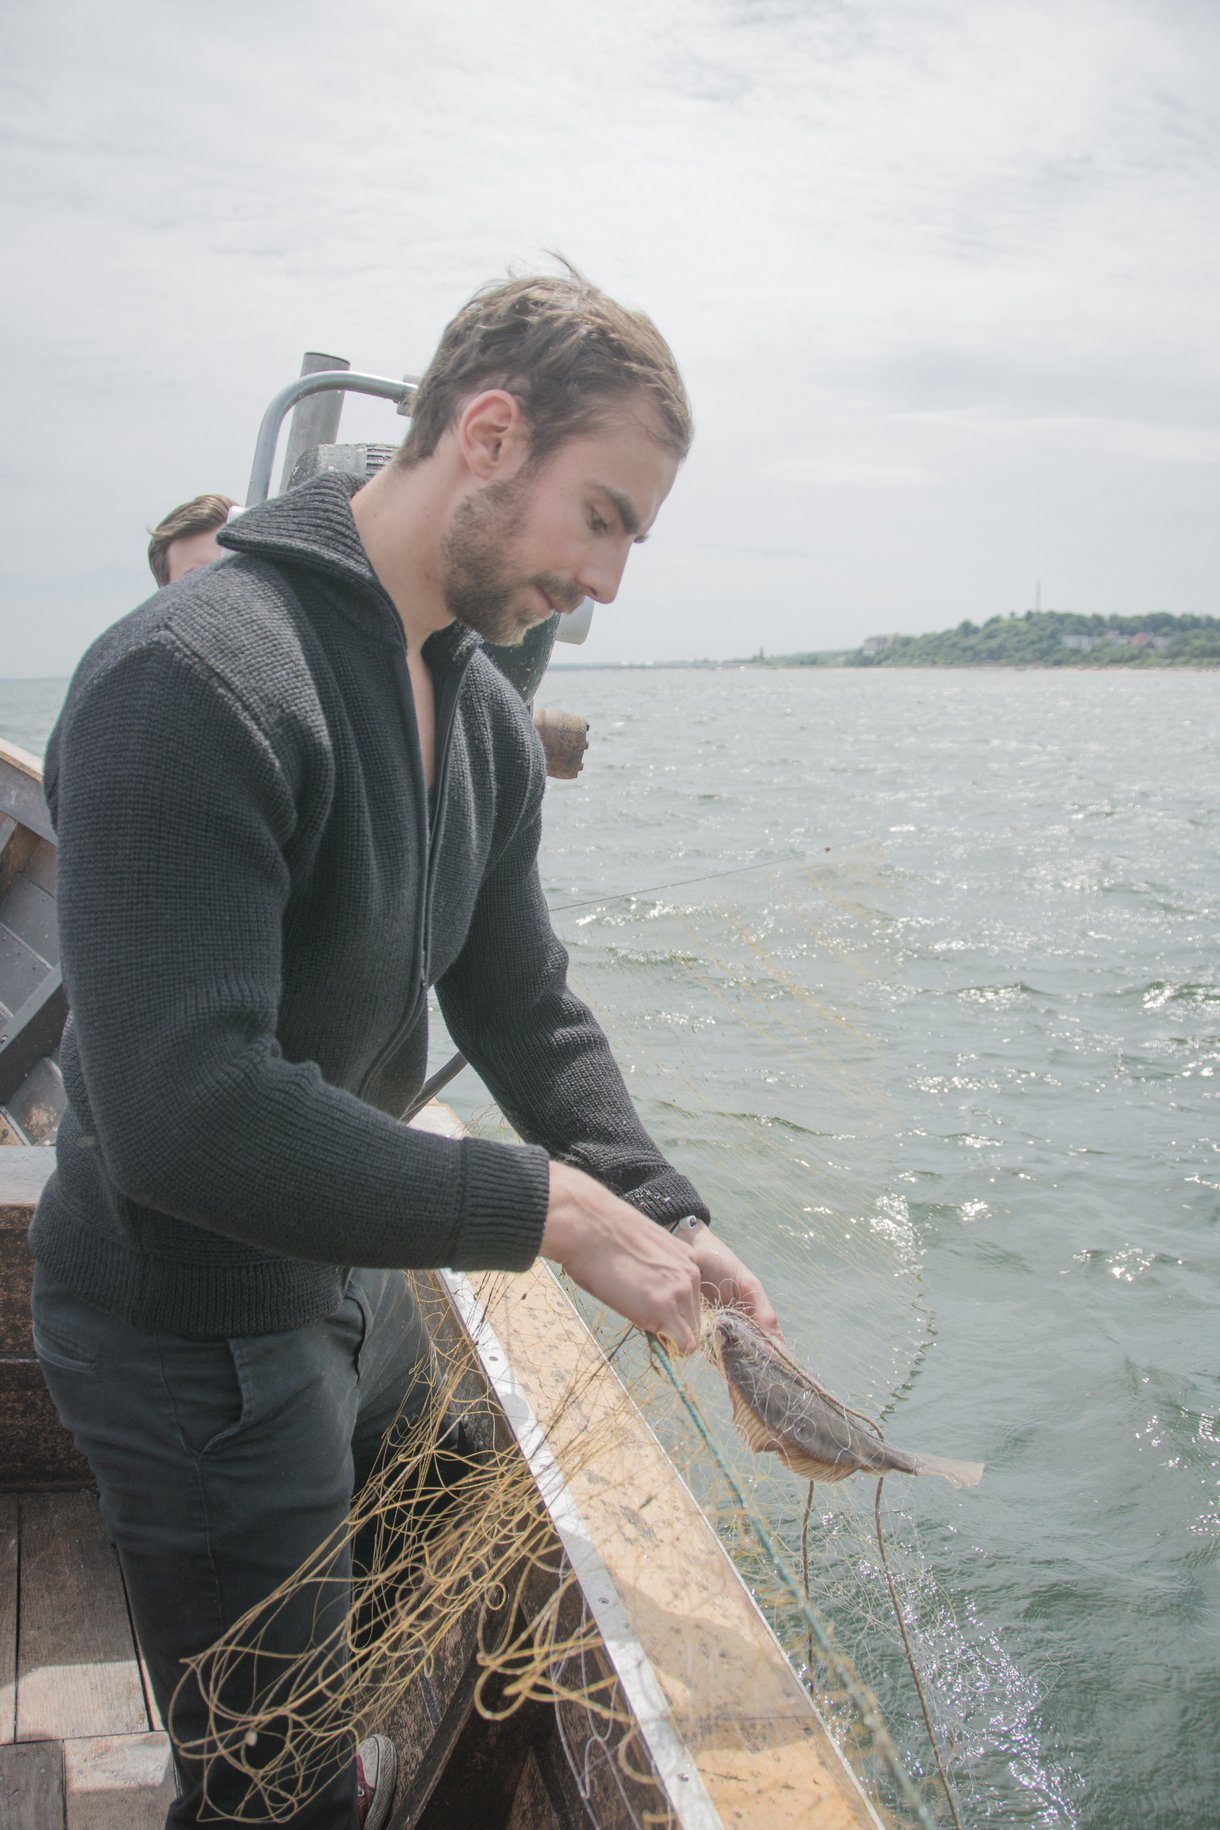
(626, 511)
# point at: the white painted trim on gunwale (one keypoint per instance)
(675, 1766)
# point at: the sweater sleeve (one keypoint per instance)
(176, 822)
(542, 1053)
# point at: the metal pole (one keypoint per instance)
(380, 386)
(316, 420)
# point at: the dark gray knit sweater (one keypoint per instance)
(253, 902)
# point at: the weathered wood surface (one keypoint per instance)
(77, 1674)
(429, 1720)
(122, 1782)
(532, 1807)
(25, 1170)
(150, 1702)
(41, 867)
(739, 1706)
(75, 1666)
(9, 1529)
(33, 1005)
(29, 912)
(757, 1740)
(30, 1081)
(21, 794)
(32, 1786)
(35, 1449)
(21, 759)
(118, 1782)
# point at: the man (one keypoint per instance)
(292, 794)
(186, 539)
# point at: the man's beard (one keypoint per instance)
(476, 588)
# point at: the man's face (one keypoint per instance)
(520, 550)
(189, 552)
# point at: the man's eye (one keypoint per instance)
(598, 524)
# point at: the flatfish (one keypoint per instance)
(780, 1410)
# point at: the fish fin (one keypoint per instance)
(809, 1469)
(957, 1473)
(753, 1431)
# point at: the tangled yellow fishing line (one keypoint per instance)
(490, 1567)
(478, 1573)
(475, 1565)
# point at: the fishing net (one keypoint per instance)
(437, 1558)
(787, 965)
(749, 1016)
(476, 1558)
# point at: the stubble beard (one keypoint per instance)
(477, 590)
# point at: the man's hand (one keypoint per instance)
(622, 1258)
(726, 1282)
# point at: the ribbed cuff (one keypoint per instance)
(667, 1198)
(507, 1188)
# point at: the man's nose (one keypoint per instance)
(602, 573)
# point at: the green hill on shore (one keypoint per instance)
(1039, 638)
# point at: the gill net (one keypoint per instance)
(751, 1014)
(764, 1072)
(741, 1021)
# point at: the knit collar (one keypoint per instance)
(313, 526)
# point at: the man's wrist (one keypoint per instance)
(688, 1228)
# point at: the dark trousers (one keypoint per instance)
(221, 1466)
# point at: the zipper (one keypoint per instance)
(447, 709)
(429, 836)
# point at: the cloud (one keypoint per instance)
(835, 473)
(921, 254)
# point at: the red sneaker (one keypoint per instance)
(376, 1777)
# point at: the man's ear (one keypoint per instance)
(492, 436)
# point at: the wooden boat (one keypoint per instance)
(32, 1003)
(32, 1013)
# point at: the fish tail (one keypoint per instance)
(957, 1473)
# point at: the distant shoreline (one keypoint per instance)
(1045, 640)
(748, 664)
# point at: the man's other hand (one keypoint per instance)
(623, 1259)
(727, 1283)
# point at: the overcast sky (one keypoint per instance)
(942, 277)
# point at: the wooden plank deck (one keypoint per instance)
(79, 1748)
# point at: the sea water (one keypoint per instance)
(915, 974)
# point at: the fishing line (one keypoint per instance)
(906, 1645)
(780, 1568)
(892, 1587)
(805, 1567)
(453, 1067)
(837, 1051)
(865, 1704)
(893, 1594)
(679, 883)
